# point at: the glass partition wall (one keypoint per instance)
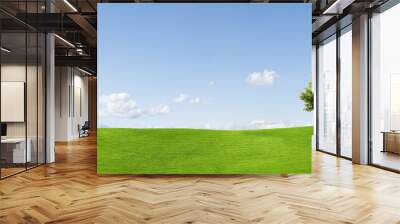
(334, 94)
(22, 98)
(13, 89)
(385, 89)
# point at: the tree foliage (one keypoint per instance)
(307, 96)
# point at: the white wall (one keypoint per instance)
(71, 102)
(9, 73)
(62, 82)
(33, 126)
(17, 73)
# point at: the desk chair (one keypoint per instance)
(84, 130)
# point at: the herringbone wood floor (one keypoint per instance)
(70, 191)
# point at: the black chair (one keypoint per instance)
(84, 130)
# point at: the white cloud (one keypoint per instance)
(122, 105)
(211, 83)
(119, 105)
(181, 98)
(263, 124)
(267, 77)
(194, 100)
(159, 110)
(253, 125)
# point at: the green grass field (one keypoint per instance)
(194, 151)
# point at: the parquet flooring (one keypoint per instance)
(70, 191)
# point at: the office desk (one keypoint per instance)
(15, 148)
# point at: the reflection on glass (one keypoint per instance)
(346, 93)
(327, 95)
(386, 89)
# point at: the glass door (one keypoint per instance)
(327, 95)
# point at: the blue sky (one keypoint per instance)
(221, 66)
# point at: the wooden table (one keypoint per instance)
(391, 141)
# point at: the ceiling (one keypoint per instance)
(75, 21)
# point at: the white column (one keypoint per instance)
(63, 99)
(50, 99)
(360, 90)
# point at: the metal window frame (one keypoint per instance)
(339, 32)
(387, 5)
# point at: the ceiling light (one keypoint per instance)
(84, 71)
(79, 51)
(70, 5)
(337, 7)
(65, 41)
(331, 7)
(5, 50)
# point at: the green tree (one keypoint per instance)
(308, 97)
